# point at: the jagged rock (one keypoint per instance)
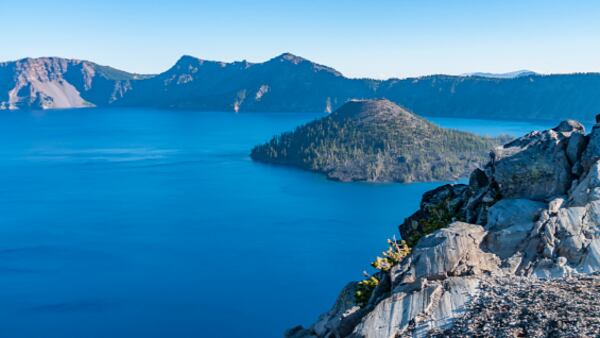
(563, 233)
(478, 179)
(509, 223)
(434, 306)
(592, 150)
(422, 291)
(568, 126)
(430, 297)
(567, 236)
(452, 251)
(392, 316)
(536, 206)
(588, 188)
(555, 205)
(451, 305)
(591, 262)
(575, 147)
(538, 157)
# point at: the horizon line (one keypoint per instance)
(483, 74)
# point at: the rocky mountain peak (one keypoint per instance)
(289, 57)
(187, 63)
(295, 60)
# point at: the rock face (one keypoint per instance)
(532, 212)
(509, 222)
(540, 157)
(46, 83)
(433, 285)
(377, 140)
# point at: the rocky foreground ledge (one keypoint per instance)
(531, 214)
(527, 307)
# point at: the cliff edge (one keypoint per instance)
(532, 213)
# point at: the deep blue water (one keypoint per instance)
(147, 223)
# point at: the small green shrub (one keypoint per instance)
(364, 290)
(395, 253)
(439, 217)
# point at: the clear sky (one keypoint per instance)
(364, 38)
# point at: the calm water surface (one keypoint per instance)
(146, 223)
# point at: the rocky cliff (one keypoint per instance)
(531, 213)
(377, 140)
(46, 83)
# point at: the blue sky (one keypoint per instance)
(377, 39)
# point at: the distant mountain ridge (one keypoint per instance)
(53, 82)
(284, 83)
(509, 75)
(289, 83)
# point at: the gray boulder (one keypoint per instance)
(392, 316)
(591, 261)
(575, 147)
(592, 150)
(435, 306)
(509, 223)
(588, 188)
(569, 126)
(452, 251)
(441, 280)
(534, 166)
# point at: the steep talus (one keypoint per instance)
(528, 220)
(377, 140)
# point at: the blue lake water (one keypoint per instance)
(148, 223)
